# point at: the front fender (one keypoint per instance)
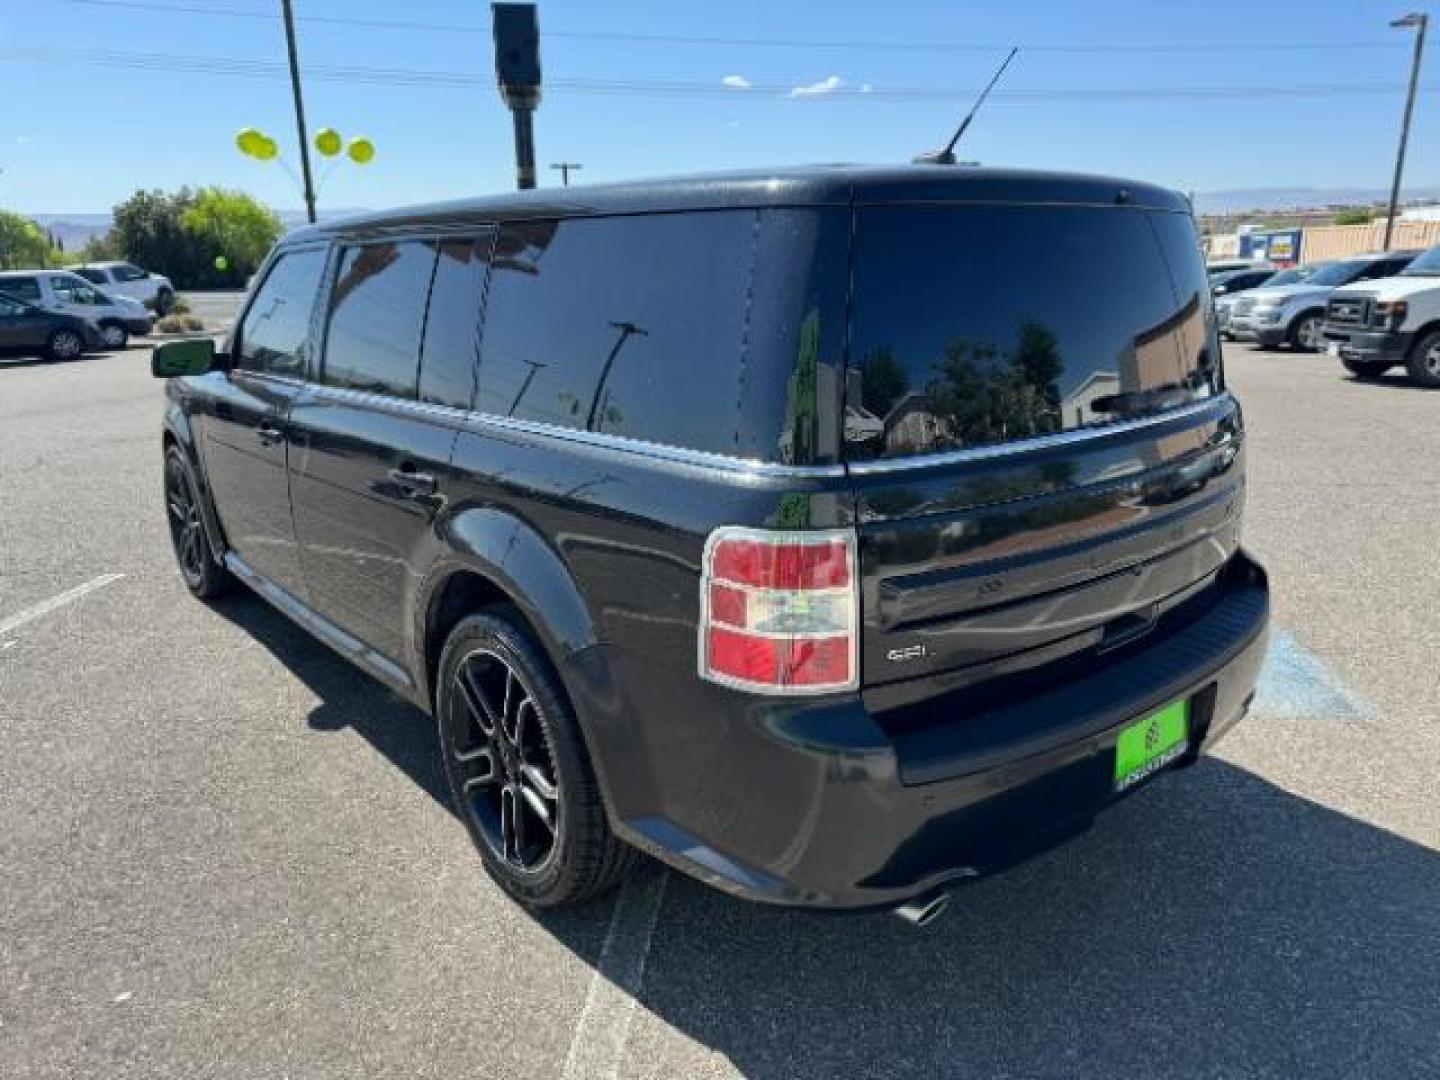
(179, 427)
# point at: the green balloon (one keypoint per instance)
(248, 140)
(222, 263)
(328, 142)
(361, 151)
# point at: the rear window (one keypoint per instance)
(982, 325)
(95, 277)
(718, 331)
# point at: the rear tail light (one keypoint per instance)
(780, 611)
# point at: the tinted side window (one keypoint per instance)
(449, 354)
(95, 277)
(276, 326)
(651, 327)
(377, 309)
(25, 288)
(127, 272)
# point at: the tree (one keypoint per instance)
(233, 225)
(22, 243)
(1355, 215)
(180, 234)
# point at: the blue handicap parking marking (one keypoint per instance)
(1296, 683)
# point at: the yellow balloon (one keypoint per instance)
(267, 148)
(247, 140)
(361, 151)
(328, 142)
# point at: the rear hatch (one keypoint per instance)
(1044, 457)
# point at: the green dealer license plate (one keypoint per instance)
(1148, 745)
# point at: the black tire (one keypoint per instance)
(65, 344)
(1364, 369)
(1423, 363)
(164, 301)
(576, 857)
(113, 335)
(203, 575)
(1304, 332)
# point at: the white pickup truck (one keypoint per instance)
(1373, 326)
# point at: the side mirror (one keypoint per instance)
(172, 359)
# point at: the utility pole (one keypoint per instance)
(299, 109)
(1419, 21)
(566, 167)
(627, 329)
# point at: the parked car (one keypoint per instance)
(1235, 281)
(1293, 314)
(27, 329)
(127, 279)
(659, 590)
(116, 317)
(1226, 294)
(1225, 266)
(1378, 325)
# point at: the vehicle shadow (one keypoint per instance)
(1212, 925)
(1393, 380)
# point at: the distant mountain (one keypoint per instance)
(74, 229)
(1236, 200)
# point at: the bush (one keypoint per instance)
(179, 306)
(179, 324)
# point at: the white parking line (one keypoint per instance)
(598, 1046)
(14, 622)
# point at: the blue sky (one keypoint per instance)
(85, 134)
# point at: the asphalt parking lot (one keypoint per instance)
(224, 852)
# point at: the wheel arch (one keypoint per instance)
(179, 433)
(494, 557)
(1420, 335)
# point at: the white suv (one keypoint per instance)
(1378, 325)
(127, 279)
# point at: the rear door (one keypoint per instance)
(22, 327)
(246, 417)
(1053, 462)
(374, 437)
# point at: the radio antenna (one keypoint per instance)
(947, 155)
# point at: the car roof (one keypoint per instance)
(814, 185)
(104, 265)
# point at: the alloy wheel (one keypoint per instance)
(183, 513)
(66, 345)
(1432, 360)
(1309, 333)
(112, 336)
(501, 752)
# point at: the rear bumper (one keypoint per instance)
(1370, 346)
(815, 804)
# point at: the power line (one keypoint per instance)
(682, 89)
(756, 42)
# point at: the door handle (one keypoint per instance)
(413, 484)
(269, 434)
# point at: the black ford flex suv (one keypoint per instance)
(832, 535)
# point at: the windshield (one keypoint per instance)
(75, 290)
(977, 325)
(1339, 273)
(1427, 264)
(1297, 274)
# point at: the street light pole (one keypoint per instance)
(1419, 21)
(565, 168)
(299, 109)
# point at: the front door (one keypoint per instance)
(21, 326)
(247, 418)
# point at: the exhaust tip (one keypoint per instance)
(924, 910)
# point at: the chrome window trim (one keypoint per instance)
(968, 455)
(704, 459)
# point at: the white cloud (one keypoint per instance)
(736, 82)
(865, 88)
(827, 85)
